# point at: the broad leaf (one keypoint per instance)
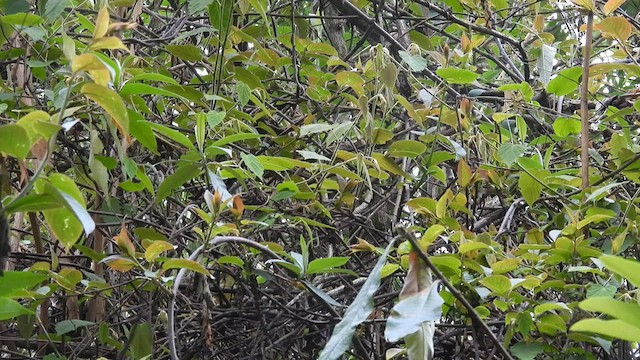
(626, 268)
(356, 313)
(457, 76)
(184, 264)
(10, 309)
(111, 102)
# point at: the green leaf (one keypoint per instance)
(549, 306)
(153, 77)
(551, 324)
(142, 342)
(311, 155)
(145, 89)
(564, 126)
(227, 259)
(323, 295)
(457, 76)
(311, 129)
(38, 125)
(197, 6)
(201, 130)
(565, 82)
(156, 248)
(358, 312)
(141, 131)
(10, 309)
(252, 163)
(510, 153)
(352, 80)
(498, 284)
(34, 202)
(275, 163)
(111, 102)
(472, 246)
(415, 62)
(505, 266)
(591, 219)
(185, 52)
(602, 191)
(107, 43)
(611, 6)
(244, 93)
(247, 77)
(172, 182)
(54, 8)
(12, 281)
(627, 312)
(64, 225)
(19, 144)
(530, 188)
(172, 134)
(80, 212)
(617, 329)
(72, 196)
(320, 265)
(236, 137)
(67, 326)
(387, 164)
(407, 148)
(185, 264)
(22, 19)
(524, 351)
(626, 268)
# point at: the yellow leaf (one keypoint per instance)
(100, 77)
(615, 27)
(464, 173)
(611, 6)
(156, 248)
(184, 264)
(124, 243)
(102, 23)
(585, 4)
(108, 43)
(87, 62)
(538, 23)
(68, 47)
(121, 264)
(121, 26)
(465, 43)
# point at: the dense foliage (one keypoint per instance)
(266, 179)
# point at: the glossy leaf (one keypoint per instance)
(111, 102)
(10, 309)
(20, 143)
(184, 264)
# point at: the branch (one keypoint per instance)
(454, 291)
(484, 30)
(584, 105)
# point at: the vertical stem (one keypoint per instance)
(584, 103)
